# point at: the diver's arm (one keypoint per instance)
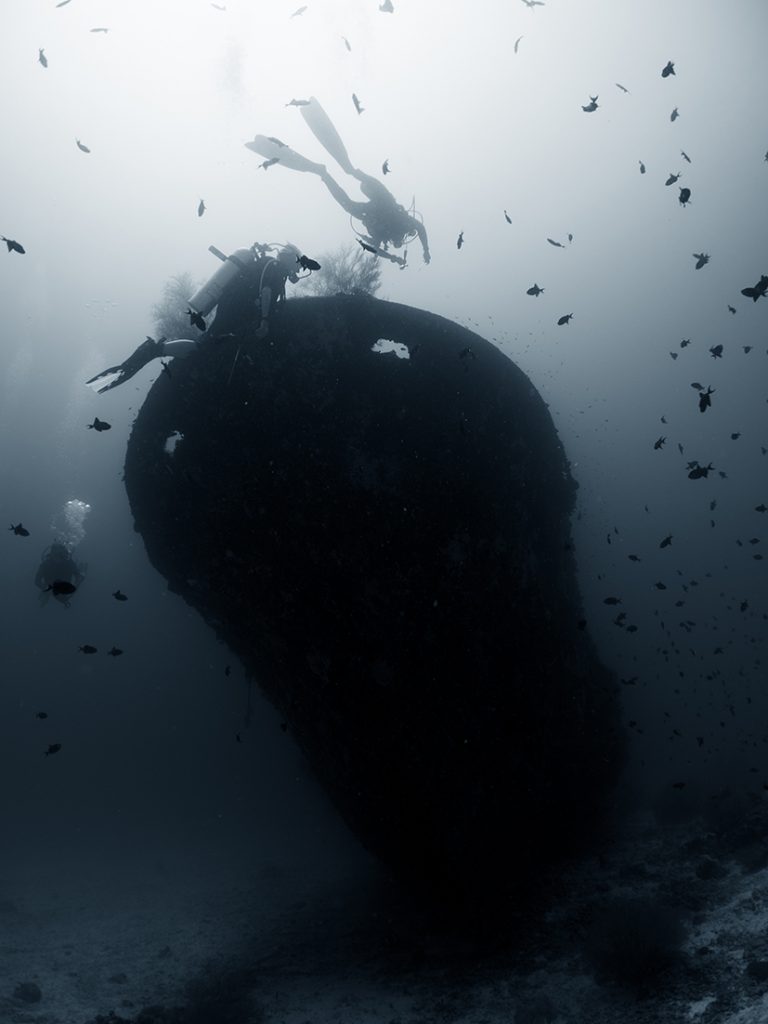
(421, 231)
(266, 301)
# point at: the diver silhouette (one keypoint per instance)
(386, 222)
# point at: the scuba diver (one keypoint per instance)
(386, 222)
(263, 279)
(58, 574)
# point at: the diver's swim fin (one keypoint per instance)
(147, 351)
(322, 128)
(284, 154)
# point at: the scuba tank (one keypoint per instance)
(206, 297)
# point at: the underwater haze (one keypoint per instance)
(176, 807)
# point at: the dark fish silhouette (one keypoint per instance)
(611, 600)
(60, 588)
(346, 43)
(642, 166)
(120, 596)
(565, 319)
(674, 115)
(308, 264)
(19, 530)
(507, 218)
(672, 179)
(460, 240)
(731, 309)
(591, 106)
(83, 148)
(42, 58)
(99, 425)
(201, 208)
(666, 542)
(12, 245)
(53, 748)
(534, 290)
(760, 290)
(266, 164)
(716, 351)
(517, 43)
(685, 196)
(702, 259)
(685, 343)
(195, 319)
(620, 86)
(705, 398)
(668, 69)
(297, 103)
(41, 714)
(557, 245)
(685, 156)
(385, 167)
(115, 652)
(659, 443)
(698, 472)
(358, 106)
(88, 649)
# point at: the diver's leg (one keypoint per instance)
(325, 132)
(178, 348)
(341, 197)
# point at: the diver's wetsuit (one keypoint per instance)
(239, 310)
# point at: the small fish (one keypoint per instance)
(88, 649)
(736, 436)
(761, 508)
(358, 107)
(460, 240)
(747, 348)
(611, 600)
(195, 319)
(298, 11)
(634, 558)
(684, 197)
(201, 208)
(659, 443)
(41, 714)
(557, 245)
(346, 43)
(387, 7)
(716, 351)
(115, 652)
(666, 542)
(308, 264)
(99, 425)
(731, 309)
(12, 245)
(702, 259)
(534, 290)
(385, 167)
(60, 588)
(660, 586)
(685, 343)
(698, 472)
(672, 179)
(642, 166)
(705, 399)
(19, 530)
(53, 748)
(507, 218)
(42, 59)
(120, 596)
(620, 86)
(565, 319)
(297, 103)
(760, 290)
(266, 164)
(105, 30)
(82, 147)
(591, 106)
(685, 156)
(517, 42)
(674, 115)
(668, 69)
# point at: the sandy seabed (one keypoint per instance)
(270, 944)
